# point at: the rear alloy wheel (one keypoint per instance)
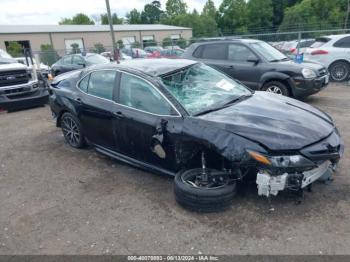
(276, 87)
(216, 194)
(339, 71)
(72, 132)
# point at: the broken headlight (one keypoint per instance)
(285, 161)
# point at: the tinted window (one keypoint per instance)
(320, 42)
(214, 51)
(78, 60)
(344, 42)
(67, 60)
(198, 52)
(101, 84)
(239, 53)
(137, 93)
(83, 85)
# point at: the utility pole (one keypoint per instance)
(114, 48)
(347, 16)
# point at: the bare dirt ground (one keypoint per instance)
(58, 200)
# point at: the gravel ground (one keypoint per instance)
(58, 200)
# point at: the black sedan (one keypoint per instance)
(77, 61)
(183, 118)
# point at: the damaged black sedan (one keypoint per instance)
(186, 119)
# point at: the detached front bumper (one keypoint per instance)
(306, 87)
(271, 185)
(23, 96)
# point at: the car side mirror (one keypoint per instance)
(82, 64)
(254, 60)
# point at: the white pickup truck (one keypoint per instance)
(19, 87)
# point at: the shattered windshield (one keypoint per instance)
(200, 87)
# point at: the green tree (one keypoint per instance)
(279, 8)
(136, 44)
(133, 17)
(167, 42)
(209, 9)
(78, 19)
(98, 48)
(181, 42)
(120, 44)
(259, 15)
(314, 15)
(175, 7)
(233, 17)
(75, 49)
(48, 55)
(151, 13)
(14, 49)
(115, 19)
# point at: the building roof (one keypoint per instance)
(18, 29)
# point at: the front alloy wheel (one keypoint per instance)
(72, 130)
(339, 71)
(214, 193)
(276, 87)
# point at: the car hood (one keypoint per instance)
(306, 64)
(12, 66)
(277, 122)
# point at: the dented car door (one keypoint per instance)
(143, 115)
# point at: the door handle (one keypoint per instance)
(119, 114)
(78, 100)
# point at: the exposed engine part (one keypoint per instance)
(270, 185)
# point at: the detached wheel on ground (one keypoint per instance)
(339, 71)
(72, 131)
(276, 87)
(215, 194)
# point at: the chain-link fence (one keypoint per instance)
(287, 42)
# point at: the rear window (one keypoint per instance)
(344, 42)
(320, 42)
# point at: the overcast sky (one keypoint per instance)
(20, 12)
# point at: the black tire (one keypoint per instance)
(72, 131)
(276, 87)
(339, 71)
(202, 199)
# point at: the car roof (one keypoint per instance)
(227, 40)
(151, 67)
(334, 36)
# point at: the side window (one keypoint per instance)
(67, 60)
(343, 43)
(101, 84)
(239, 53)
(214, 51)
(137, 93)
(78, 60)
(83, 85)
(198, 52)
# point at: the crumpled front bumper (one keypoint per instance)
(272, 185)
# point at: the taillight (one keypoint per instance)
(292, 50)
(319, 52)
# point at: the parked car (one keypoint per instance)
(77, 61)
(151, 49)
(19, 87)
(109, 55)
(334, 53)
(183, 118)
(302, 46)
(135, 52)
(167, 53)
(260, 66)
